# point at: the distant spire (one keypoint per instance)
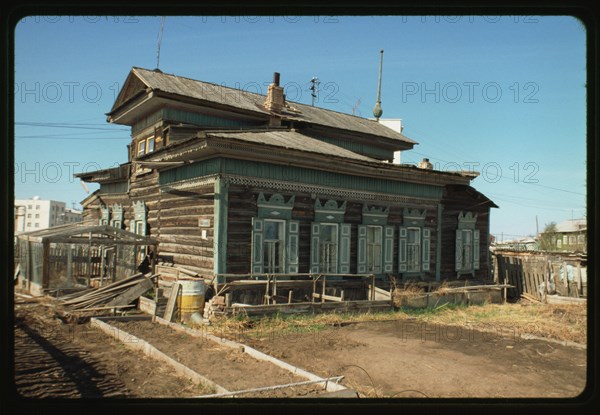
(377, 111)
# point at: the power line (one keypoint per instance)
(50, 137)
(67, 125)
(507, 178)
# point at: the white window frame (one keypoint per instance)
(467, 253)
(282, 250)
(372, 267)
(141, 148)
(330, 267)
(416, 265)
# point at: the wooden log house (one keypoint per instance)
(233, 182)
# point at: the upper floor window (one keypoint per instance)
(150, 144)
(141, 149)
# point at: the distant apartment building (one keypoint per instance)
(34, 214)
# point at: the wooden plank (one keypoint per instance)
(558, 299)
(324, 297)
(132, 293)
(172, 303)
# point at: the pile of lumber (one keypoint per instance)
(119, 294)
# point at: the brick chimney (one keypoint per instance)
(275, 98)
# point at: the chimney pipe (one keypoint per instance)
(275, 97)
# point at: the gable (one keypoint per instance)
(132, 87)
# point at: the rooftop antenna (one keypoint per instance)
(377, 111)
(355, 107)
(160, 34)
(314, 88)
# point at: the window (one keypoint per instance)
(104, 215)
(580, 239)
(467, 249)
(29, 206)
(330, 239)
(116, 215)
(37, 215)
(273, 246)
(559, 243)
(37, 225)
(565, 239)
(328, 247)
(29, 224)
(375, 241)
(413, 250)
(275, 236)
(37, 207)
(29, 215)
(139, 228)
(141, 148)
(467, 244)
(414, 242)
(150, 144)
(374, 249)
(138, 224)
(572, 240)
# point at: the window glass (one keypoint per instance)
(467, 247)
(150, 144)
(413, 249)
(273, 246)
(328, 249)
(141, 148)
(374, 249)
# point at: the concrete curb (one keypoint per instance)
(135, 343)
(329, 386)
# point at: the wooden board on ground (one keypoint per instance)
(132, 293)
(172, 303)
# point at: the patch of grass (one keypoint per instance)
(560, 322)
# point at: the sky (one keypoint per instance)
(502, 95)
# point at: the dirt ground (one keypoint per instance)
(230, 368)
(53, 359)
(412, 359)
(398, 359)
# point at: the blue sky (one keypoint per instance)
(503, 95)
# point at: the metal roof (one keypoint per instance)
(249, 101)
(573, 225)
(291, 140)
(80, 233)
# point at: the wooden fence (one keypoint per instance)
(537, 274)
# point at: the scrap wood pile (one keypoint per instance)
(117, 295)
